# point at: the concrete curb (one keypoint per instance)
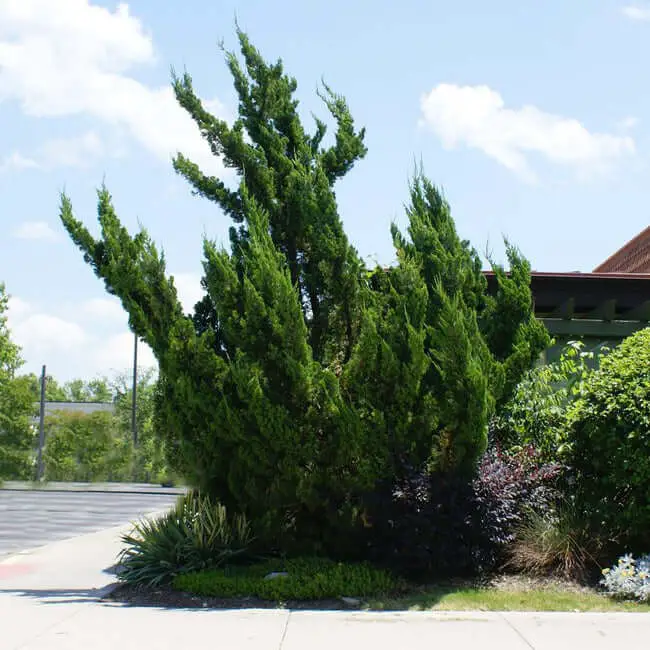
(117, 488)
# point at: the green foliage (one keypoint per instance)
(197, 534)
(86, 447)
(16, 432)
(306, 579)
(610, 444)
(512, 333)
(301, 380)
(97, 447)
(76, 390)
(537, 414)
(149, 463)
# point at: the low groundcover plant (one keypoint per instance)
(298, 579)
(629, 578)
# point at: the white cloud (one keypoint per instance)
(18, 309)
(40, 333)
(636, 12)
(628, 123)
(36, 230)
(476, 116)
(17, 161)
(115, 354)
(106, 309)
(71, 57)
(71, 344)
(78, 151)
(190, 291)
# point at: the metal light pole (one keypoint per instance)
(41, 428)
(134, 424)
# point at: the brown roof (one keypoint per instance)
(634, 257)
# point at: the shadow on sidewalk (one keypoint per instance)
(61, 596)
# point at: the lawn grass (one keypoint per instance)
(464, 598)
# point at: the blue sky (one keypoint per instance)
(533, 117)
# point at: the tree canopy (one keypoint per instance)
(302, 378)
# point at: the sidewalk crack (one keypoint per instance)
(284, 631)
(516, 630)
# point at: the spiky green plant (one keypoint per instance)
(197, 534)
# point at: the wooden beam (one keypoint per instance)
(595, 328)
(606, 311)
(565, 310)
(641, 312)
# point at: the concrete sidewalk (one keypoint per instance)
(49, 601)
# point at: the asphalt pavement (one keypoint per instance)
(33, 517)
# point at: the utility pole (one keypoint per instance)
(134, 423)
(41, 428)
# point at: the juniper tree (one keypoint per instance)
(441, 352)
(302, 379)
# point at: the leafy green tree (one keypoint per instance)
(16, 407)
(86, 447)
(302, 379)
(94, 390)
(75, 390)
(537, 413)
(150, 464)
(53, 391)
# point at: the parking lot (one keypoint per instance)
(30, 518)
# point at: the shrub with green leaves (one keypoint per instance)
(196, 534)
(305, 579)
(302, 378)
(537, 412)
(86, 447)
(610, 444)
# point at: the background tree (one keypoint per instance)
(86, 447)
(16, 406)
(149, 462)
(301, 379)
(75, 390)
(53, 391)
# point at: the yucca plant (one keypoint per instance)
(197, 534)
